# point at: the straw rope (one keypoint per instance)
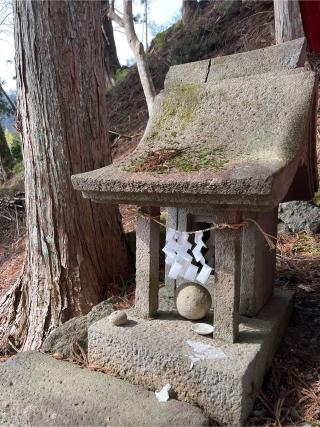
(222, 226)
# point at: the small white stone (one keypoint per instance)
(193, 301)
(118, 317)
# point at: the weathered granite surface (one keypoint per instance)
(287, 55)
(77, 328)
(153, 353)
(37, 390)
(240, 141)
(300, 216)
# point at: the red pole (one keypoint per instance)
(310, 14)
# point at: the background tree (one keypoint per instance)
(126, 21)
(74, 248)
(111, 60)
(287, 18)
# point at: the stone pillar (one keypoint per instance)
(258, 264)
(227, 278)
(147, 263)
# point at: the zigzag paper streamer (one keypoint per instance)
(180, 261)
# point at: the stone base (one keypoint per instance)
(155, 352)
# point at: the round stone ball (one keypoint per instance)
(193, 301)
(118, 318)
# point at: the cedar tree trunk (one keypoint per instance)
(74, 248)
(110, 51)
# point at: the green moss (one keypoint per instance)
(187, 96)
(200, 159)
(184, 161)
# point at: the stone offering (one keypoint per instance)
(118, 318)
(193, 301)
(202, 328)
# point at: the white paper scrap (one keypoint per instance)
(203, 351)
(163, 394)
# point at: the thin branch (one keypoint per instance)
(116, 18)
(119, 31)
(13, 106)
(113, 16)
(120, 134)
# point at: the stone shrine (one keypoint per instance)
(229, 139)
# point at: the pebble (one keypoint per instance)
(118, 317)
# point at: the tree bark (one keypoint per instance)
(74, 248)
(287, 18)
(111, 60)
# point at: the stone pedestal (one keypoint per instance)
(159, 351)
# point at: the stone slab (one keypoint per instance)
(37, 390)
(153, 353)
(249, 160)
(287, 55)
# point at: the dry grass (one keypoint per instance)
(298, 245)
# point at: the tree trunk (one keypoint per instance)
(5, 156)
(110, 51)
(140, 55)
(287, 18)
(74, 248)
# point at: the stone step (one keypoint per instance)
(36, 389)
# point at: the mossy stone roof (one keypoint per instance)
(236, 142)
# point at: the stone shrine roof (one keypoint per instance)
(214, 141)
(233, 142)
